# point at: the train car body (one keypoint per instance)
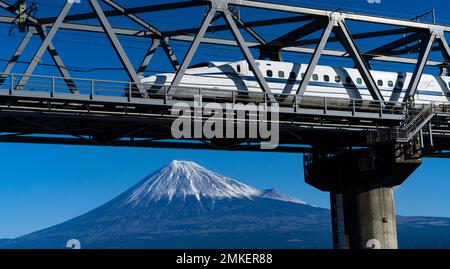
(285, 78)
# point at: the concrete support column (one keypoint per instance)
(370, 216)
(361, 184)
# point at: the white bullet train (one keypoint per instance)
(284, 78)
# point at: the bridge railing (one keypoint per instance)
(110, 88)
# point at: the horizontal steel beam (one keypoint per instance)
(134, 10)
(259, 5)
(148, 144)
(343, 15)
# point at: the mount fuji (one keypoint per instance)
(184, 205)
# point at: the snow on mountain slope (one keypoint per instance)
(181, 179)
(276, 195)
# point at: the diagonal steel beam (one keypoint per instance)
(272, 49)
(170, 53)
(424, 54)
(397, 44)
(165, 42)
(148, 57)
(257, 23)
(132, 16)
(287, 39)
(15, 57)
(248, 55)
(444, 48)
(117, 46)
(58, 62)
(344, 37)
(359, 36)
(411, 49)
(45, 44)
(248, 29)
(11, 9)
(315, 59)
(194, 46)
(8, 7)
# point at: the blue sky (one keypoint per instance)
(42, 185)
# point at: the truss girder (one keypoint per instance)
(418, 38)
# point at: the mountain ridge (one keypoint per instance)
(180, 179)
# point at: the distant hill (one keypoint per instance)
(184, 205)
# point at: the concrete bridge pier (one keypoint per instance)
(361, 184)
(367, 219)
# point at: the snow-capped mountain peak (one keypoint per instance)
(180, 179)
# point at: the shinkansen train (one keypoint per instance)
(284, 78)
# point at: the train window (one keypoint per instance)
(359, 81)
(380, 82)
(269, 73)
(292, 75)
(390, 83)
(337, 79)
(315, 77)
(348, 80)
(326, 78)
(400, 85)
(280, 74)
(238, 68)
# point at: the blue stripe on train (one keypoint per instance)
(326, 84)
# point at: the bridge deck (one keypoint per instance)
(112, 113)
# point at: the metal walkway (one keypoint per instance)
(121, 93)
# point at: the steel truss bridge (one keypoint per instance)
(61, 109)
